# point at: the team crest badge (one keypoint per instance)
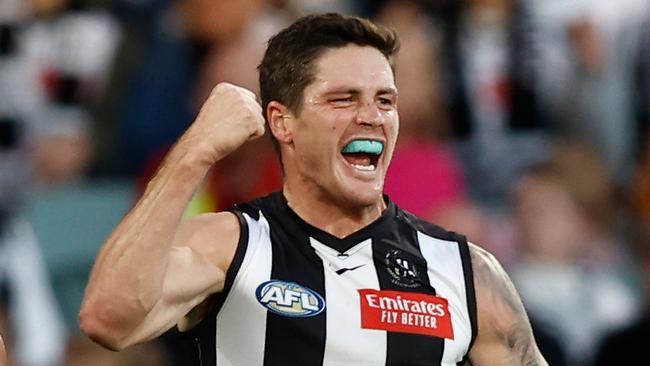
(401, 270)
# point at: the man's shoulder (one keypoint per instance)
(426, 227)
(482, 256)
(267, 204)
(487, 267)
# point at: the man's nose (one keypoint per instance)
(368, 114)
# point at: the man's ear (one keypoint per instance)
(280, 120)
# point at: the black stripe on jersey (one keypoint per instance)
(299, 264)
(204, 333)
(469, 287)
(236, 263)
(468, 273)
(403, 348)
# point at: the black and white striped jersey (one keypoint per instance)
(398, 292)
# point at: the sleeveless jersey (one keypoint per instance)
(400, 291)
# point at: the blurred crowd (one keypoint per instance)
(524, 125)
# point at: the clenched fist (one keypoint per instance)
(229, 117)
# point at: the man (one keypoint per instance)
(328, 271)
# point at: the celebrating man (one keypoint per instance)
(328, 271)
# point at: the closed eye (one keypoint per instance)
(342, 101)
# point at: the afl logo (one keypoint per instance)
(289, 299)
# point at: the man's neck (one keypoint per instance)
(336, 218)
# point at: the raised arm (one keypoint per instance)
(154, 268)
(505, 337)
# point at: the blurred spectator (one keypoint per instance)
(628, 346)
(565, 213)
(51, 68)
(587, 73)
(642, 83)
(422, 165)
(425, 178)
(489, 82)
(231, 52)
(641, 186)
(339, 6)
(232, 56)
(144, 27)
(196, 43)
(158, 66)
(35, 331)
(549, 345)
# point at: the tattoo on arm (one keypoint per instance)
(510, 323)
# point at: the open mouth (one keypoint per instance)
(363, 154)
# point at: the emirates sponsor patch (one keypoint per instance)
(405, 312)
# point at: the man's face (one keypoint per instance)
(344, 136)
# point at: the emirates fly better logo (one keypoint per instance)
(406, 312)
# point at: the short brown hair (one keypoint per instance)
(287, 67)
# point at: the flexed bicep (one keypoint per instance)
(197, 264)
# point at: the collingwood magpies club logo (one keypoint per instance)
(402, 271)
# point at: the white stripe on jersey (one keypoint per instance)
(365, 347)
(445, 270)
(240, 340)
